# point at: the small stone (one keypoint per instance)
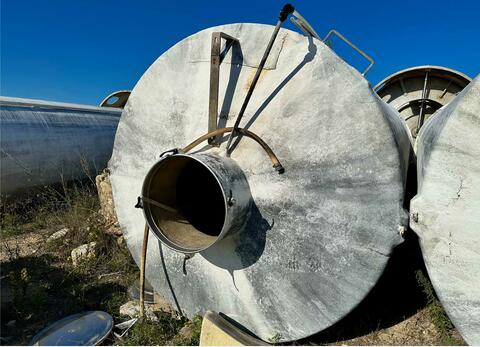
(11, 323)
(83, 252)
(121, 241)
(58, 234)
(186, 332)
(132, 309)
(107, 206)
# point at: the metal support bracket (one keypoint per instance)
(216, 59)
(348, 42)
(303, 25)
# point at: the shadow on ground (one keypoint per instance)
(396, 296)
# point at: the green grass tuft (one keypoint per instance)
(437, 313)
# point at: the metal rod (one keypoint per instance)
(286, 10)
(159, 204)
(143, 260)
(421, 116)
(274, 159)
(445, 90)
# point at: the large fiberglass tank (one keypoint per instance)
(285, 255)
(446, 211)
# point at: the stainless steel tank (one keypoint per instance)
(43, 142)
(284, 255)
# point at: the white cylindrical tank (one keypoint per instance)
(312, 241)
(446, 210)
(43, 142)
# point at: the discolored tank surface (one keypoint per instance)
(317, 237)
(446, 211)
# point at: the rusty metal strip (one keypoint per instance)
(216, 59)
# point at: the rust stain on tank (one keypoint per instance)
(251, 76)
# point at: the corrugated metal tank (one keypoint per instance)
(43, 142)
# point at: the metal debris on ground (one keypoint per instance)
(82, 329)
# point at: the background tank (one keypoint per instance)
(446, 211)
(43, 142)
(315, 239)
(420, 91)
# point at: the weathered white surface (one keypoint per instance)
(43, 142)
(448, 207)
(319, 235)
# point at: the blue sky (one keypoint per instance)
(80, 51)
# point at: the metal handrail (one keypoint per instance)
(348, 42)
(308, 30)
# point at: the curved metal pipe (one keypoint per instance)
(276, 163)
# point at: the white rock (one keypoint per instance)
(58, 234)
(132, 309)
(186, 332)
(83, 252)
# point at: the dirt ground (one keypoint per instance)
(40, 285)
(414, 331)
